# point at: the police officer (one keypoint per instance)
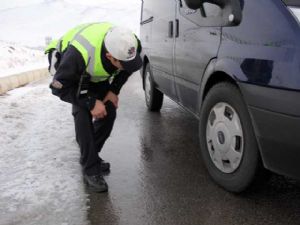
(92, 63)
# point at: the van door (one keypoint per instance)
(197, 42)
(162, 45)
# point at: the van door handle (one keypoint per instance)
(171, 29)
(150, 19)
(177, 28)
(180, 3)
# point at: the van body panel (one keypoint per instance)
(267, 51)
(189, 65)
(162, 46)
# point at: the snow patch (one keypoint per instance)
(40, 174)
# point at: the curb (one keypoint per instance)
(21, 79)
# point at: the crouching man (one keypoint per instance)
(90, 64)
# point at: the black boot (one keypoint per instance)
(104, 166)
(96, 183)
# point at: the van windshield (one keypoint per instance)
(294, 6)
(295, 3)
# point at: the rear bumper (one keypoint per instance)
(275, 115)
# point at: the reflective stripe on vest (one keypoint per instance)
(61, 44)
(69, 36)
(89, 41)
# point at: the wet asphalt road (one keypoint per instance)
(157, 177)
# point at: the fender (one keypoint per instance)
(225, 68)
(142, 70)
(210, 69)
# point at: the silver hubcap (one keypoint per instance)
(224, 137)
(147, 87)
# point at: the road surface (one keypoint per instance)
(156, 178)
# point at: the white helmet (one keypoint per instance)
(122, 44)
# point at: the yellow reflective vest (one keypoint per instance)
(88, 40)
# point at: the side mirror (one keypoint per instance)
(194, 4)
(231, 9)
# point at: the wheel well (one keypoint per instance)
(145, 62)
(215, 78)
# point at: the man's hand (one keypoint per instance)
(99, 110)
(112, 97)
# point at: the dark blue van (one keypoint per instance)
(235, 65)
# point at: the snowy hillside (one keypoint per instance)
(30, 22)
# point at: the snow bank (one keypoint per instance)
(15, 59)
(40, 174)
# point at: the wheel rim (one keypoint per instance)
(147, 87)
(224, 137)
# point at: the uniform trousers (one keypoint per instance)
(92, 134)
